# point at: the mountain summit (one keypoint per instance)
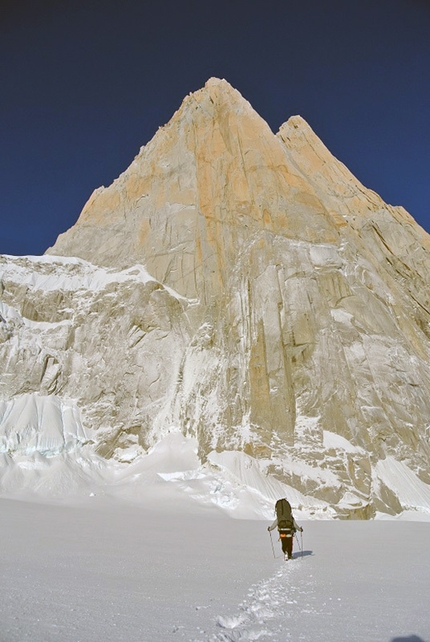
(197, 194)
(245, 289)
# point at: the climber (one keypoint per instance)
(287, 526)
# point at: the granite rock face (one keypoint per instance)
(245, 287)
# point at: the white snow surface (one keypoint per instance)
(147, 551)
(168, 569)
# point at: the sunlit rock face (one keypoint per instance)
(244, 287)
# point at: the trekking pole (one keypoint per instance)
(271, 541)
(298, 544)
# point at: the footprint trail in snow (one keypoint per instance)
(271, 608)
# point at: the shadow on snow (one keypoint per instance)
(299, 554)
(409, 638)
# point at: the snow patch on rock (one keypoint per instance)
(332, 440)
(412, 493)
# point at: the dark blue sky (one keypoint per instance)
(85, 83)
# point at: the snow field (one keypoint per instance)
(169, 569)
(116, 572)
(364, 581)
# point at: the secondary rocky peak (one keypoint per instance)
(315, 161)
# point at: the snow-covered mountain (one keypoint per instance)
(237, 289)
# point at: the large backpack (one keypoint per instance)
(283, 514)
